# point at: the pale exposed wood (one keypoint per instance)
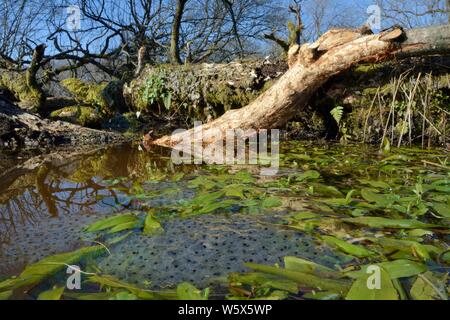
(311, 68)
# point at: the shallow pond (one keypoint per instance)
(140, 227)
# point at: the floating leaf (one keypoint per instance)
(271, 202)
(324, 295)
(5, 295)
(53, 294)
(354, 250)
(379, 199)
(396, 269)
(428, 287)
(124, 296)
(375, 183)
(307, 175)
(411, 247)
(112, 282)
(306, 266)
(442, 209)
(187, 291)
(152, 226)
(302, 278)
(361, 290)
(396, 157)
(378, 222)
(261, 280)
(37, 272)
(111, 222)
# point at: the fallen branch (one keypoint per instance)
(311, 66)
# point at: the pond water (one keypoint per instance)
(141, 227)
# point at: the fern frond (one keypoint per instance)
(337, 113)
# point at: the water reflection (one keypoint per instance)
(70, 182)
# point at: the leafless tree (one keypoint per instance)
(413, 13)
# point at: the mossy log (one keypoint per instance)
(200, 91)
(311, 68)
(19, 128)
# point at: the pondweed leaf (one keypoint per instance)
(303, 279)
(361, 289)
(187, 291)
(271, 202)
(306, 266)
(352, 249)
(378, 222)
(383, 200)
(375, 183)
(152, 226)
(442, 209)
(396, 269)
(428, 287)
(112, 222)
(112, 282)
(53, 294)
(49, 266)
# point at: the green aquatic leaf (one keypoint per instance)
(408, 246)
(37, 272)
(442, 209)
(396, 157)
(379, 199)
(53, 294)
(125, 226)
(304, 279)
(361, 290)
(324, 295)
(271, 202)
(211, 207)
(306, 266)
(378, 222)
(111, 222)
(235, 190)
(124, 296)
(112, 282)
(318, 188)
(354, 250)
(5, 295)
(187, 291)
(119, 239)
(152, 226)
(305, 215)
(203, 182)
(396, 269)
(375, 184)
(428, 287)
(261, 280)
(307, 175)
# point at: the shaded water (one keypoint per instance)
(215, 218)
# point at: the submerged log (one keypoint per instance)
(311, 65)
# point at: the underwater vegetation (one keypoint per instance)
(316, 230)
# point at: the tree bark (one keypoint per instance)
(315, 63)
(447, 6)
(31, 79)
(175, 36)
(20, 128)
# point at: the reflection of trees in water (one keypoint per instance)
(72, 183)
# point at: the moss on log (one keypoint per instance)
(200, 91)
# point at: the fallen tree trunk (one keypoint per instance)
(311, 65)
(21, 128)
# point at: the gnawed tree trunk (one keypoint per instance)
(311, 66)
